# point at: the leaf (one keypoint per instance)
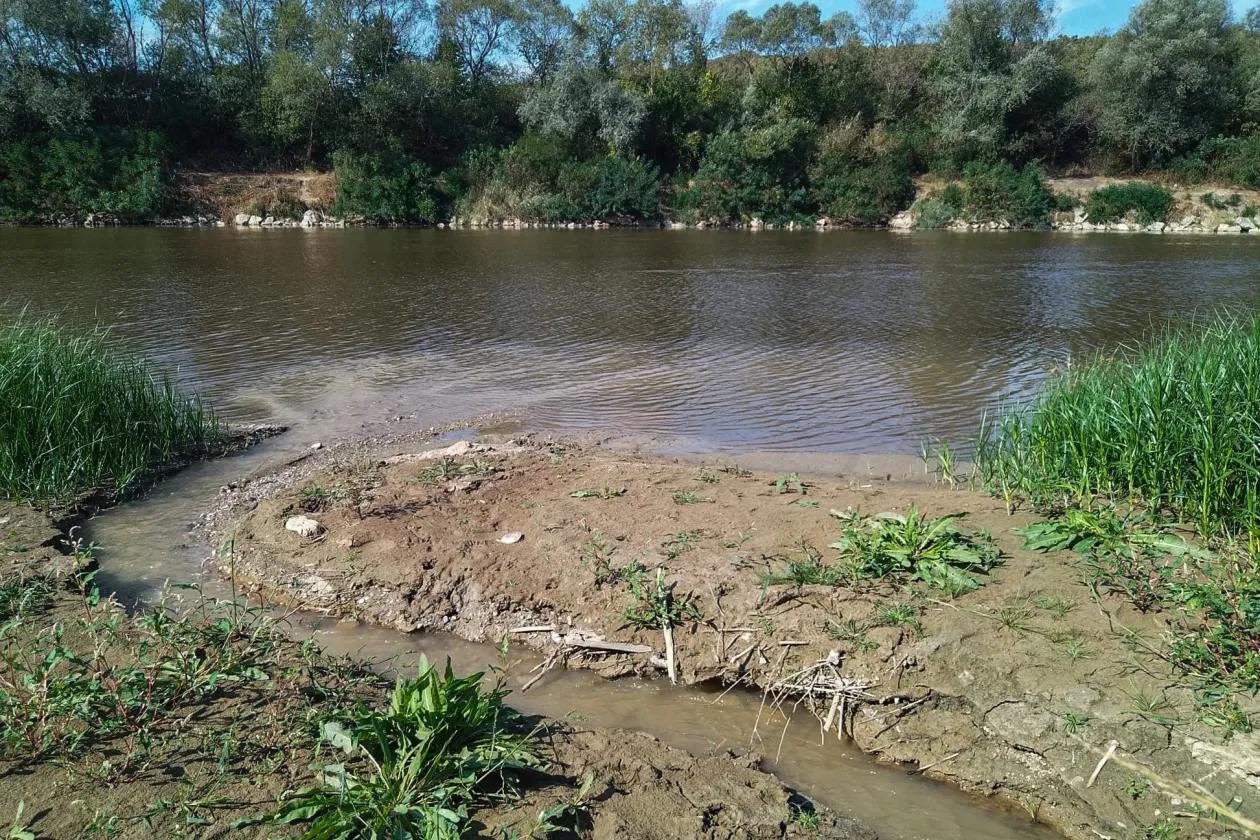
(337, 735)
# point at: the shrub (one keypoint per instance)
(1234, 160)
(1114, 201)
(1176, 427)
(932, 214)
(606, 188)
(76, 416)
(1064, 202)
(387, 187)
(753, 173)
(999, 192)
(120, 173)
(953, 198)
(862, 192)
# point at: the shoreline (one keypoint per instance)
(896, 225)
(991, 732)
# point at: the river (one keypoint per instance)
(852, 342)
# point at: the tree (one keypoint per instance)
(541, 31)
(1163, 83)
(887, 23)
(582, 107)
(478, 28)
(991, 66)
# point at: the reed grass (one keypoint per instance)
(1175, 426)
(78, 416)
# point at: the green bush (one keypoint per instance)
(1064, 202)
(385, 187)
(1176, 427)
(861, 192)
(608, 188)
(1000, 192)
(932, 214)
(953, 198)
(76, 416)
(119, 173)
(1234, 160)
(757, 173)
(1114, 201)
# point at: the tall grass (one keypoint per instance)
(77, 416)
(1175, 426)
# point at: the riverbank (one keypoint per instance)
(243, 736)
(305, 199)
(1010, 684)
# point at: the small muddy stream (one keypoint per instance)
(148, 542)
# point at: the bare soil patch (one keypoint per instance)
(1013, 689)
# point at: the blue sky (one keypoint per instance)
(1076, 17)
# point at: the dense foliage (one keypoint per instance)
(75, 416)
(624, 109)
(1173, 427)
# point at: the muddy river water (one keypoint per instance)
(772, 343)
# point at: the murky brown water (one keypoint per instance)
(849, 342)
(776, 343)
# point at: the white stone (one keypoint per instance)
(511, 537)
(901, 221)
(303, 526)
(255, 221)
(242, 219)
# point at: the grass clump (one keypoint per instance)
(1175, 427)
(77, 416)
(935, 551)
(1113, 202)
(414, 768)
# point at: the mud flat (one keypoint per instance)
(230, 753)
(1014, 689)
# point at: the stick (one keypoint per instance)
(792, 642)
(743, 653)
(669, 653)
(610, 647)
(547, 667)
(538, 628)
(831, 713)
(925, 768)
(1111, 750)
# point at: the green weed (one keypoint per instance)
(790, 483)
(1073, 723)
(935, 551)
(851, 632)
(1174, 427)
(77, 416)
(1164, 829)
(1058, 608)
(603, 493)
(599, 559)
(686, 497)
(413, 769)
(805, 569)
(21, 596)
(655, 605)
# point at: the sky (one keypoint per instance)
(1076, 17)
